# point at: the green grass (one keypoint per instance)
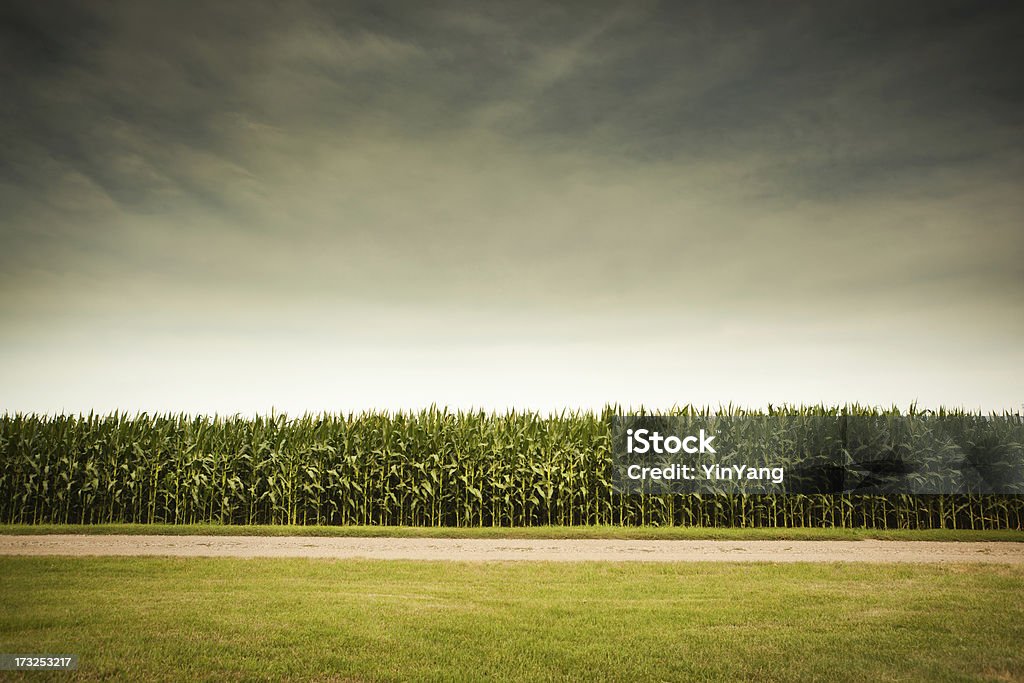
(230, 619)
(540, 532)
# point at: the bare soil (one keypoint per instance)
(477, 550)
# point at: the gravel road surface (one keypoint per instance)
(476, 550)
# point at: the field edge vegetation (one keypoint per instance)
(607, 532)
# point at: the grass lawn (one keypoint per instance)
(231, 619)
(539, 532)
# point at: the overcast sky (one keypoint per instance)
(242, 206)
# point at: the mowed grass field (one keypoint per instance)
(228, 619)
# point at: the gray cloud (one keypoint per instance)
(495, 172)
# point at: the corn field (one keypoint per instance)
(431, 468)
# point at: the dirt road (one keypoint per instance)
(475, 550)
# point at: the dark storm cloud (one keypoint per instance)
(177, 166)
(840, 95)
